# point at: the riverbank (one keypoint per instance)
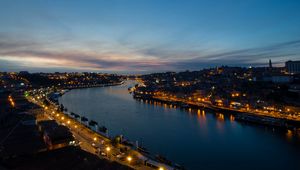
(92, 86)
(54, 95)
(137, 155)
(240, 115)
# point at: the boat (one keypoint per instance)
(93, 123)
(261, 120)
(143, 150)
(163, 159)
(127, 143)
(102, 129)
(184, 105)
(84, 119)
(76, 116)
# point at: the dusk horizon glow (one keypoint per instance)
(146, 36)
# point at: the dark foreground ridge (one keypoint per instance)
(64, 158)
(23, 144)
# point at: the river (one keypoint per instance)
(195, 139)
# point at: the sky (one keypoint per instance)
(137, 36)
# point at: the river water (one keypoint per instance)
(195, 139)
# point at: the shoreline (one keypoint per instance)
(242, 116)
(93, 86)
(67, 89)
(148, 157)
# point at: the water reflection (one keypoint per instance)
(220, 117)
(289, 135)
(231, 118)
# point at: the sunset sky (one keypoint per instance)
(132, 36)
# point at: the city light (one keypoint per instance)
(108, 74)
(129, 158)
(12, 103)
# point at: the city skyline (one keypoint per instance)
(146, 36)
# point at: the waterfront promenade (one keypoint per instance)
(94, 142)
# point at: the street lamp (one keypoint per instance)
(161, 168)
(129, 159)
(107, 150)
(95, 138)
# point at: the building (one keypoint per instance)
(293, 67)
(58, 137)
(274, 78)
(281, 79)
(55, 136)
(22, 73)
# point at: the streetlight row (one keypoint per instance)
(108, 148)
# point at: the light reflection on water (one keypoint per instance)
(192, 137)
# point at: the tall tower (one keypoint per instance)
(270, 64)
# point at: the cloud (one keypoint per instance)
(126, 56)
(28, 54)
(279, 53)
